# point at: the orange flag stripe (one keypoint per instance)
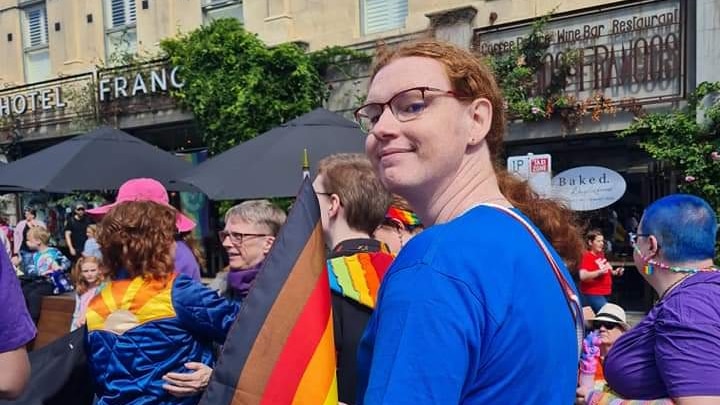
(320, 373)
(300, 347)
(282, 317)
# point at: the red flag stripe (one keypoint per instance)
(281, 318)
(300, 347)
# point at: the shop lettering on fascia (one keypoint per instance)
(48, 97)
(32, 101)
(627, 51)
(140, 83)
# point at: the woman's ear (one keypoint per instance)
(481, 112)
(269, 241)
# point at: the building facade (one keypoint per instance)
(60, 64)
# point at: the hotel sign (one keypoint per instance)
(59, 97)
(632, 51)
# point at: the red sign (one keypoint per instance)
(539, 165)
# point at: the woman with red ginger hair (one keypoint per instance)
(458, 311)
(154, 322)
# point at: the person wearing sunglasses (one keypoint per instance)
(456, 319)
(609, 324)
(76, 231)
(674, 352)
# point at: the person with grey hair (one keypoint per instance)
(250, 231)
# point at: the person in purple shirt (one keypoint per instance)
(674, 352)
(16, 330)
(144, 189)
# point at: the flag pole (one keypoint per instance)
(305, 165)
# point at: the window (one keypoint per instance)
(383, 15)
(120, 29)
(37, 54)
(122, 13)
(215, 9)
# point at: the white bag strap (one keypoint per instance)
(572, 299)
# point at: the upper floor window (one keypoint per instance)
(35, 43)
(215, 9)
(383, 15)
(120, 30)
(122, 13)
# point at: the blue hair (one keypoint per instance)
(684, 225)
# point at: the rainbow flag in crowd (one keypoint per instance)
(281, 350)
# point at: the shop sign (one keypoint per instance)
(627, 51)
(588, 188)
(55, 96)
(46, 99)
(139, 83)
(535, 169)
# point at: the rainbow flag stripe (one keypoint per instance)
(408, 218)
(281, 350)
(358, 276)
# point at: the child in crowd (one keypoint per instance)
(48, 271)
(92, 248)
(88, 277)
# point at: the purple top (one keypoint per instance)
(16, 326)
(675, 350)
(185, 262)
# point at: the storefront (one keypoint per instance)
(633, 54)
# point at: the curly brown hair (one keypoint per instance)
(471, 78)
(139, 236)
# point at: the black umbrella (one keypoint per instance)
(270, 165)
(102, 159)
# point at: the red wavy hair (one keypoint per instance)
(470, 77)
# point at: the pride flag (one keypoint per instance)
(281, 350)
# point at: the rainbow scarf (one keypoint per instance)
(358, 276)
(408, 218)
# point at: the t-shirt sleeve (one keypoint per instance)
(687, 347)
(588, 262)
(428, 331)
(16, 326)
(185, 262)
(202, 311)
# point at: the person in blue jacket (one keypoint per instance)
(471, 311)
(156, 321)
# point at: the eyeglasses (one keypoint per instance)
(607, 325)
(237, 238)
(635, 236)
(405, 106)
(79, 209)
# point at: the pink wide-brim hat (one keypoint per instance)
(145, 190)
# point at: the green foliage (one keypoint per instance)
(237, 87)
(516, 72)
(691, 149)
(336, 57)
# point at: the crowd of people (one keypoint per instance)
(449, 277)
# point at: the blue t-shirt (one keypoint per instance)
(470, 312)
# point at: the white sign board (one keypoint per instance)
(588, 188)
(536, 169)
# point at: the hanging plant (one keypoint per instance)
(517, 72)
